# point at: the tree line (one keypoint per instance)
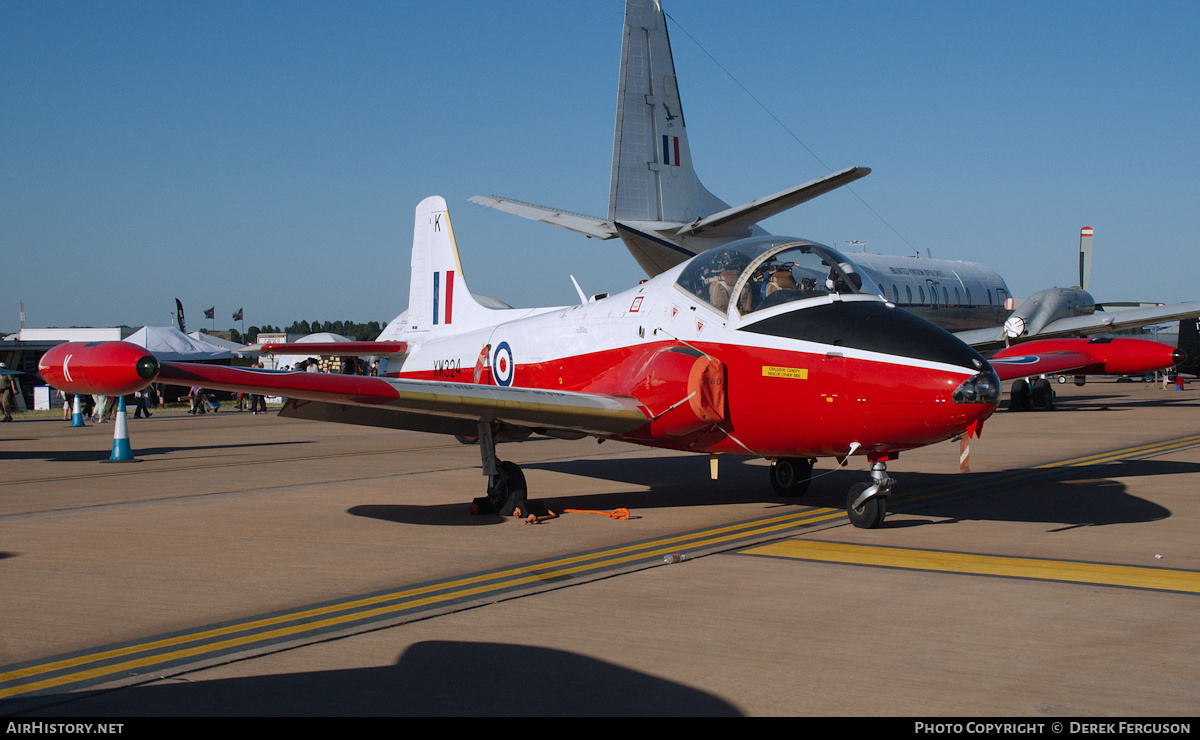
(359, 332)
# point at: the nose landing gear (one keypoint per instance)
(866, 503)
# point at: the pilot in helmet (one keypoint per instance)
(837, 284)
(728, 267)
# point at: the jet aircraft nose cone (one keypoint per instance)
(1179, 357)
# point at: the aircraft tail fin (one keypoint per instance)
(438, 298)
(1085, 256)
(652, 174)
(657, 204)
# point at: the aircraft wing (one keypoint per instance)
(736, 219)
(577, 222)
(423, 405)
(1100, 321)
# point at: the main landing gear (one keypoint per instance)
(506, 490)
(1026, 396)
(790, 476)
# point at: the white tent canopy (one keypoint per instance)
(324, 336)
(280, 361)
(171, 345)
(218, 342)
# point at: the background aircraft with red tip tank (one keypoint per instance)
(774, 347)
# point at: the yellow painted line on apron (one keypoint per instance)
(298, 623)
(1128, 576)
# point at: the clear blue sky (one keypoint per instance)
(270, 155)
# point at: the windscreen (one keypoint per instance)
(757, 274)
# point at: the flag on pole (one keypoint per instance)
(179, 306)
(237, 315)
(209, 312)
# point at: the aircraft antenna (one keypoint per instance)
(784, 126)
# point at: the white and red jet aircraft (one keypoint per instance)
(770, 346)
(664, 214)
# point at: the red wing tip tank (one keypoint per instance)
(103, 368)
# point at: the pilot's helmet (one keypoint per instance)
(851, 274)
(732, 260)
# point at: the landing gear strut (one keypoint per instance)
(790, 476)
(506, 490)
(866, 504)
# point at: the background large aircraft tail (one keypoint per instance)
(657, 204)
(652, 174)
(1085, 256)
(438, 298)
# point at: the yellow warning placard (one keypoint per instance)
(798, 373)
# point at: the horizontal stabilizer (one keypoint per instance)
(577, 222)
(739, 218)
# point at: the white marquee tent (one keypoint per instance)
(171, 345)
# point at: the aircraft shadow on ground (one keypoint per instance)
(138, 452)
(1071, 497)
(1114, 402)
(1074, 496)
(436, 678)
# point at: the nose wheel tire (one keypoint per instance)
(790, 476)
(870, 513)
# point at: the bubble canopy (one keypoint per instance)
(762, 272)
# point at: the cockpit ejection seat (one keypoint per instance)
(781, 279)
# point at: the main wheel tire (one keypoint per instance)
(1041, 396)
(871, 513)
(510, 493)
(1018, 397)
(790, 476)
